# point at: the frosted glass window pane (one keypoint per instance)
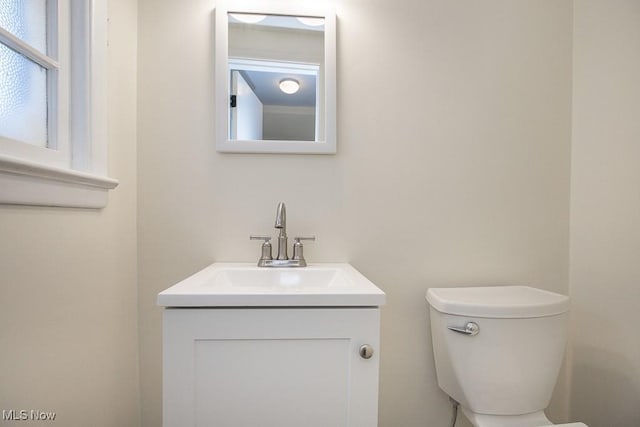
(23, 98)
(26, 19)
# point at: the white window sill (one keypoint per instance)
(27, 183)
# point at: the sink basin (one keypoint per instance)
(245, 285)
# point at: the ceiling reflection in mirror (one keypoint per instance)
(276, 71)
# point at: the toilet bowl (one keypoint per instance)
(498, 351)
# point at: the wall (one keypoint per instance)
(452, 169)
(68, 281)
(290, 123)
(605, 203)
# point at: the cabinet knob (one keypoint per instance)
(366, 351)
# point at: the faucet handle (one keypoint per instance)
(266, 247)
(297, 249)
(266, 239)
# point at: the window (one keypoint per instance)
(52, 103)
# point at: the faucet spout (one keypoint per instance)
(281, 217)
(281, 223)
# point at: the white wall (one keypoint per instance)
(273, 43)
(461, 179)
(289, 123)
(605, 208)
(68, 281)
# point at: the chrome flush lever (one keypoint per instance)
(471, 328)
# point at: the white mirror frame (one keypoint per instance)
(223, 144)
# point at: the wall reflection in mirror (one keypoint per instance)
(276, 77)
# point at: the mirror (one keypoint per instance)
(275, 80)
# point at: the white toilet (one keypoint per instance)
(498, 351)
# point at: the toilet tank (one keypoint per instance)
(511, 365)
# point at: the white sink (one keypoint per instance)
(245, 285)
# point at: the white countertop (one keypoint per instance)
(246, 285)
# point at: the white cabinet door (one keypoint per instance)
(291, 367)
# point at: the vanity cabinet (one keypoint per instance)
(246, 346)
(271, 366)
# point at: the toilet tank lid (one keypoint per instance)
(497, 301)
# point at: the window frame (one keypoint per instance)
(74, 173)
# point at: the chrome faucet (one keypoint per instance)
(282, 259)
(281, 224)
